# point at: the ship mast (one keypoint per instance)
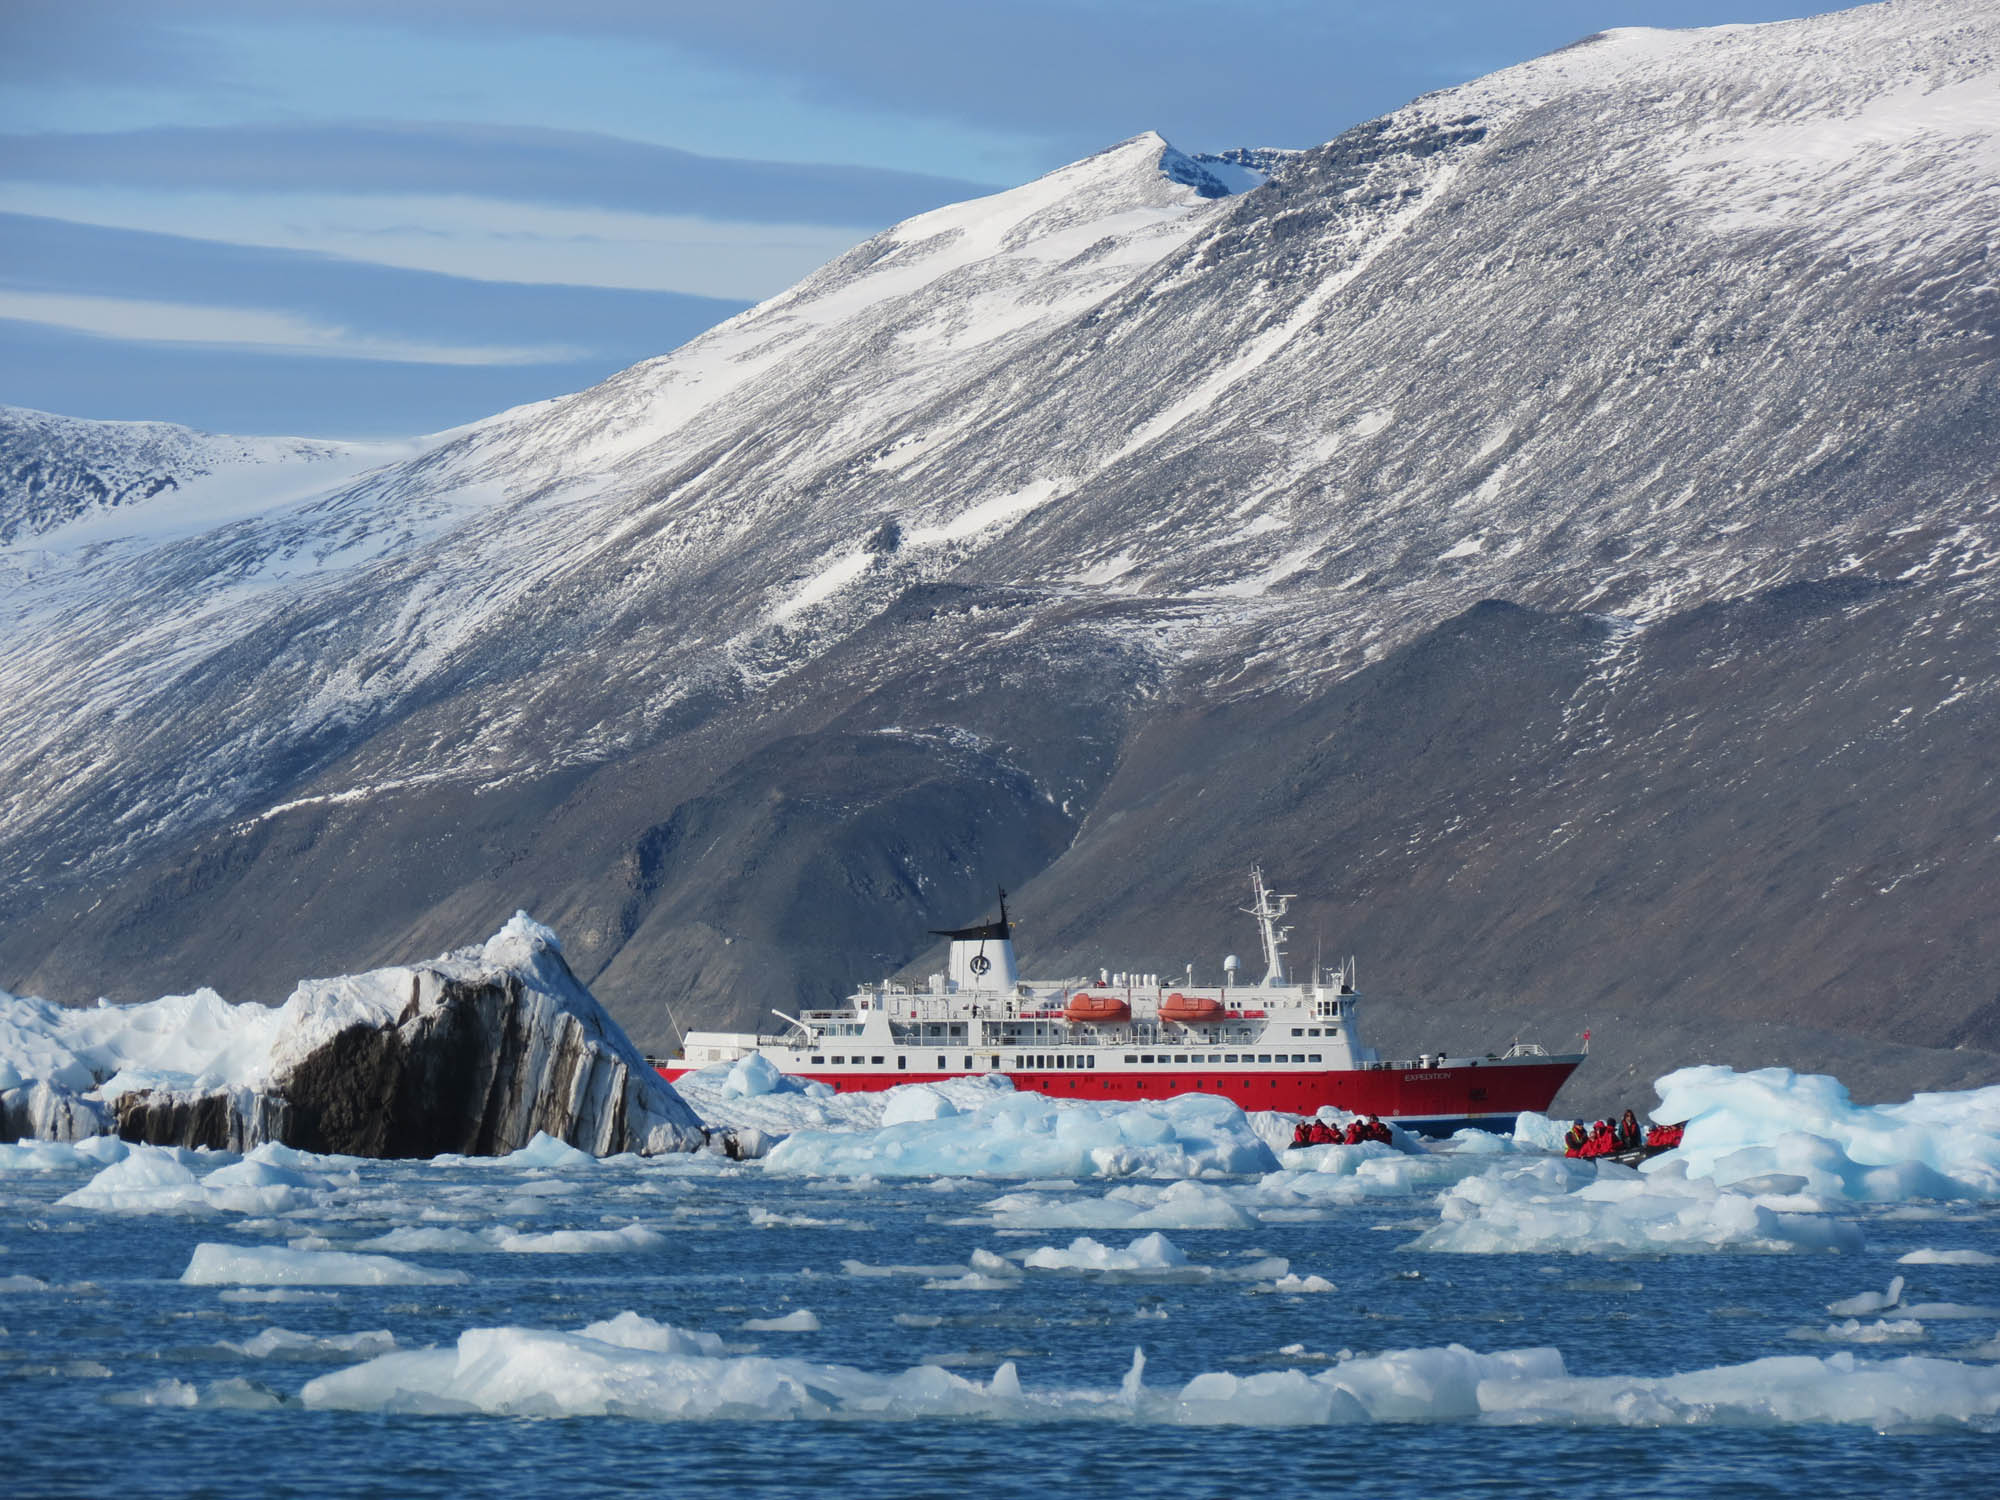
(1267, 907)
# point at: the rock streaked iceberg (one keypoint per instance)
(477, 1052)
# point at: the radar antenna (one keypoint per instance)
(1267, 907)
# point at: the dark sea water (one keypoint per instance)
(114, 1323)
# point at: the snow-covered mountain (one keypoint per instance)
(1101, 535)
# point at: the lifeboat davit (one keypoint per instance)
(1190, 1010)
(1097, 1008)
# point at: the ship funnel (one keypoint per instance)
(982, 957)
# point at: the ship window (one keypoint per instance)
(1298, 1031)
(840, 1059)
(940, 1065)
(1314, 1058)
(1130, 1058)
(1091, 1061)
(1263, 1057)
(819, 1062)
(902, 1059)
(1298, 1057)
(1232, 1057)
(968, 1065)
(1146, 1057)
(876, 1061)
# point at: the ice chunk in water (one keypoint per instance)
(582, 1241)
(271, 1265)
(1560, 1205)
(1868, 1302)
(422, 1237)
(157, 1180)
(1150, 1252)
(145, 1181)
(546, 1151)
(283, 1343)
(1948, 1258)
(233, 1394)
(801, 1321)
(60, 1156)
(1303, 1284)
(1178, 1205)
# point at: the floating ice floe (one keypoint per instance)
(583, 1241)
(273, 1265)
(634, 1368)
(233, 1394)
(1948, 1258)
(1854, 1331)
(1561, 1205)
(1030, 1135)
(1150, 1257)
(1149, 1252)
(1868, 1302)
(803, 1320)
(1748, 1125)
(1137, 1205)
(160, 1180)
(1292, 1283)
(500, 1239)
(61, 1156)
(284, 1343)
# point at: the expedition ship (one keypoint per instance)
(1272, 1044)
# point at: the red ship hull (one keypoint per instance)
(1433, 1100)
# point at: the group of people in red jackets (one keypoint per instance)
(1317, 1132)
(1605, 1138)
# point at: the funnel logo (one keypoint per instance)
(980, 963)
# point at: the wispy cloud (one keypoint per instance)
(262, 329)
(469, 237)
(504, 163)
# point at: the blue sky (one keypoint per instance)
(356, 217)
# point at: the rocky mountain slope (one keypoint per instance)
(1552, 527)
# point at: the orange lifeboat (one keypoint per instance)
(1190, 1010)
(1101, 1009)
